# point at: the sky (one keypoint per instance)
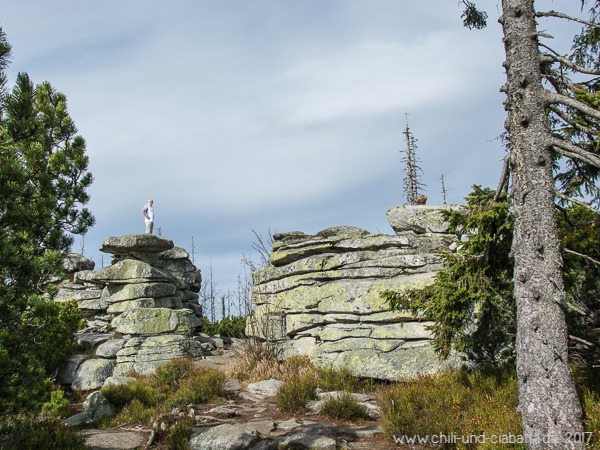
(264, 115)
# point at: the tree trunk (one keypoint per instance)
(549, 405)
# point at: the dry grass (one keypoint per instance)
(256, 365)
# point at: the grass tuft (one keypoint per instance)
(179, 433)
(296, 392)
(345, 407)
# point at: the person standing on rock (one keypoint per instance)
(148, 212)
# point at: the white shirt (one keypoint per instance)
(149, 209)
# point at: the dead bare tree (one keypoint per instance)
(444, 193)
(412, 179)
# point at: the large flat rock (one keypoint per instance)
(114, 293)
(419, 218)
(131, 271)
(321, 294)
(116, 439)
(118, 245)
(144, 354)
(149, 321)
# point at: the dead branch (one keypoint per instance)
(503, 178)
(559, 15)
(571, 122)
(586, 257)
(574, 151)
(570, 64)
(553, 98)
(575, 201)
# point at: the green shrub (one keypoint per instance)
(233, 327)
(200, 387)
(119, 396)
(227, 326)
(140, 390)
(137, 412)
(48, 434)
(340, 379)
(179, 434)
(296, 392)
(57, 406)
(174, 384)
(171, 373)
(344, 407)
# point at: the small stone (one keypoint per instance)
(223, 412)
(223, 437)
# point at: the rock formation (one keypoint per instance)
(141, 311)
(320, 294)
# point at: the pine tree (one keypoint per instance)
(43, 182)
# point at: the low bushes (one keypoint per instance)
(227, 326)
(47, 434)
(344, 407)
(174, 384)
(302, 380)
(296, 392)
(452, 403)
(470, 404)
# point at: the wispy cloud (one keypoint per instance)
(240, 115)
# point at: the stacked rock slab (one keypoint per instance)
(152, 292)
(148, 299)
(320, 294)
(87, 294)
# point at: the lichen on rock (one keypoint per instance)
(320, 295)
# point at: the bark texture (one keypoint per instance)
(549, 405)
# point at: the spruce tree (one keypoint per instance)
(552, 123)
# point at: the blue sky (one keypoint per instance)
(271, 114)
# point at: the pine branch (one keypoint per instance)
(574, 151)
(559, 15)
(586, 257)
(553, 98)
(570, 64)
(570, 122)
(575, 201)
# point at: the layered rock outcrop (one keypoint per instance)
(141, 311)
(320, 294)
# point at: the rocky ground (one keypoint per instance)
(250, 420)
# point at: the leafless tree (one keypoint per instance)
(412, 179)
